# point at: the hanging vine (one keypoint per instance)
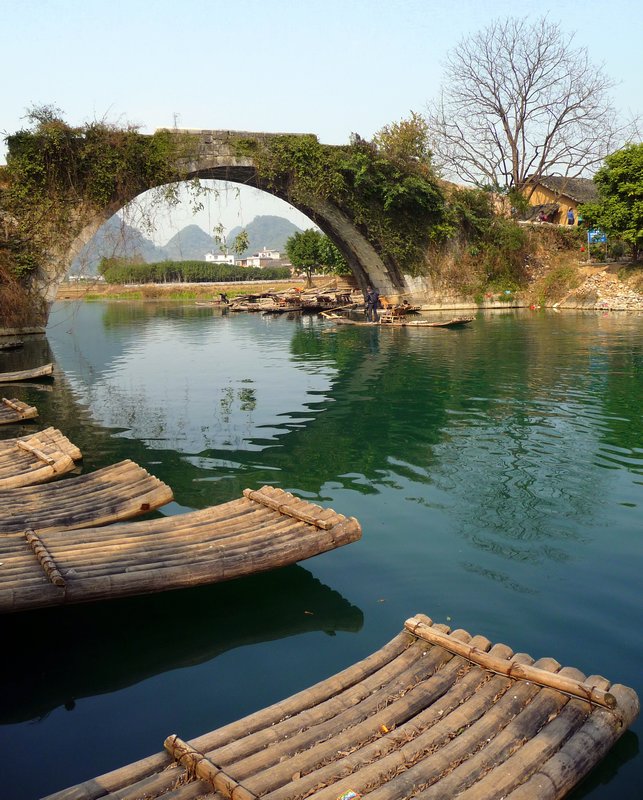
(56, 175)
(396, 201)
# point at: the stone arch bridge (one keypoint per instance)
(214, 156)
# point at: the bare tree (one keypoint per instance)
(519, 102)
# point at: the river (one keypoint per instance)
(496, 471)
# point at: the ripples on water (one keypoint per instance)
(496, 471)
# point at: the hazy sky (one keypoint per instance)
(328, 67)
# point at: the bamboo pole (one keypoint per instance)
(512, 669)
(197, 764)
(46, 561)
(286, 504)
(38, 453)
(16, 405)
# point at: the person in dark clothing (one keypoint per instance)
(372, 302)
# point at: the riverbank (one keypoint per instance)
(560, 284)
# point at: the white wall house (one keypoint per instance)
(219, 258)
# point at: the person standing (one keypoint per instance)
(570, 217)
(372, 302)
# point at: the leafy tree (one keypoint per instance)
(332, 261)
(304, 251)
(619, 209)
(519, 102)
(312, 251)
(406, 142)
(238, 245)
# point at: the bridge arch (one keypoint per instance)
(215, 158)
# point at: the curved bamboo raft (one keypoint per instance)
(36, 459)
(15, 411)
(121, 491)
(27, 374)
(433, 714)
(262, 530)
(456, 322)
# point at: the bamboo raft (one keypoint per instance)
(262, 530)
(15, 411)
(27, 374)
(456, 322)
(118, 492)
(433, 714)
(11, 345)
(36, 459)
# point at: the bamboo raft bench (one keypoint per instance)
(433, 714)
(118, 492)
(27, 374)
(262, 530)
(15, 411)
(36, 459)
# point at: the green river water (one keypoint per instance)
(496, 470)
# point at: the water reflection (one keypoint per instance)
(496, 471)
(110, 645)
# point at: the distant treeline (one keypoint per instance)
(122, 271)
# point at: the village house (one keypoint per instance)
(219, 258)
(264, 258)
(554, 196)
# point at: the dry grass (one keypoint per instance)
(16, 304)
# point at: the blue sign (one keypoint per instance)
(596, 235)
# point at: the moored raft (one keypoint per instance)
(400, 322)
(262, 530)
(15, 411)
(27, 374)
(433, 714)
(118, 492)
(35, 459)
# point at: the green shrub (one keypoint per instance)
(124, 271)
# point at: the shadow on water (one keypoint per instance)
(54, 657)
(612, 774)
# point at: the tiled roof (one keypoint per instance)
(582, 190)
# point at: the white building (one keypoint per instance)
(219, 258)
(264, 258)
(274, 254)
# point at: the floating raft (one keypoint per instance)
(121, 491)
(11, 345)
(27, 374)
(15, 411)
(36, 459)
(262, 530)
(432, 715)
(456, 322)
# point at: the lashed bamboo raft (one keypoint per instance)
(432, 715)
(27, 374)
(121, 491)
(36, 459)
(15, 411)
(262, 530)
(456, 322)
